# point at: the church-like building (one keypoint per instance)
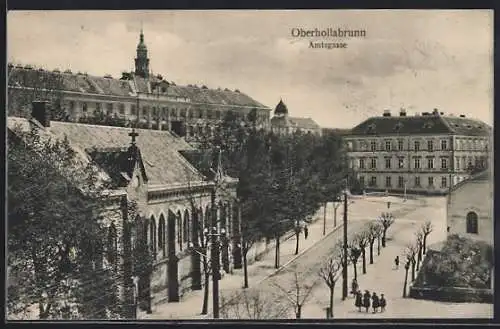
(138, 99)
(283, 124)
(174, 194)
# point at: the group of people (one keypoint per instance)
(365, 300)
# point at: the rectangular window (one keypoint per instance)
(98, 107)
(401, 181)
(373, 163)
(387, 163)
(444, 181)
(72, 105)
(373, 146)
(417, 146)
(444, 145)
(401, 163)
(122, 108)
(84, 107)
(416, 163)
(431, 181)
(417, 181)
(361, 163)
(429, 146)
(109, 108)
(362, 181)
(444, 163)
(209, 114)
(458, 163)
(133, 109)
(387, 145)
(430, 163)
(400, 145)
(373, 181)
(388, 181)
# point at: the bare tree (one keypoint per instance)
(251, 304)
(386, 220)
(419, 235)
(407, 267)
(298, 295)
(362, 239)
(373, 232)
(426, 230)
(330, 273)
(411, 252)
(354, 254)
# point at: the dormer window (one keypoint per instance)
(371, 128)
(428, 125)
(398, 126)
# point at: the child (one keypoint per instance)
(382, 303)
(396, 262)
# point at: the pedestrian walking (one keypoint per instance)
(396, 262)
(354, 287)
(359, 300)
(375, 302)
(366, 300)
(382, 303)
(306, 232)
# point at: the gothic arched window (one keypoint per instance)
(185, 227)
(112, 245)
(161, 235)
(472, 225)
(152, 233)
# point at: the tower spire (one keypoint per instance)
(142, 60)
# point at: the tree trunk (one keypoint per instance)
(371, 251)
(364, 259)
(297, 236)
(383, 237)
(335, 216)
(245, 269)
(355, 270)
(324, 218)
(204, 307)
(378, 247)
(277, 253)
(332, 289)
(299, 311)
(425, 244)
(412, 271)
(406, 282)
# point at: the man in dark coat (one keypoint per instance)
(306, 232)
(354, 287)
(366, 300)
(375, 302)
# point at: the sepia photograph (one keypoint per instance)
(249, 165)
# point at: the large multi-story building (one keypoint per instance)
(425, 153)
(139, 98)
(283, 124)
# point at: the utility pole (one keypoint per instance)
(344, 269)
(215, 246)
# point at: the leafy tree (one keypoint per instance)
(56, 233)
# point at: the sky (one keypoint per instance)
(415, 59)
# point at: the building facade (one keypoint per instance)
(173, 197)
(425, 153)
(138, 98)
(470, 208)
(283, 124)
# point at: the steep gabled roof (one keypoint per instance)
(422, 124)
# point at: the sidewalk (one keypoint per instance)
(190, 305)
(381, 277)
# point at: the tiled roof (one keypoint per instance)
(422, 124)
(163, 163)
(337, 131)
(21, 76)
(306, 123)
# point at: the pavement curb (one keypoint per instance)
(299, 254)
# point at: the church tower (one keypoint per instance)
(142, 60)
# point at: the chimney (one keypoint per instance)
(425, 113)
(435, 112)
(41, 112)
(387, 113)
(462, 115)
(402, 112)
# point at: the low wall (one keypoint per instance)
(453, 294)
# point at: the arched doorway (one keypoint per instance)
(195, 256)
(173, 266)
(472, 222)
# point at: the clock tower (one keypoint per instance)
(142, 60)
